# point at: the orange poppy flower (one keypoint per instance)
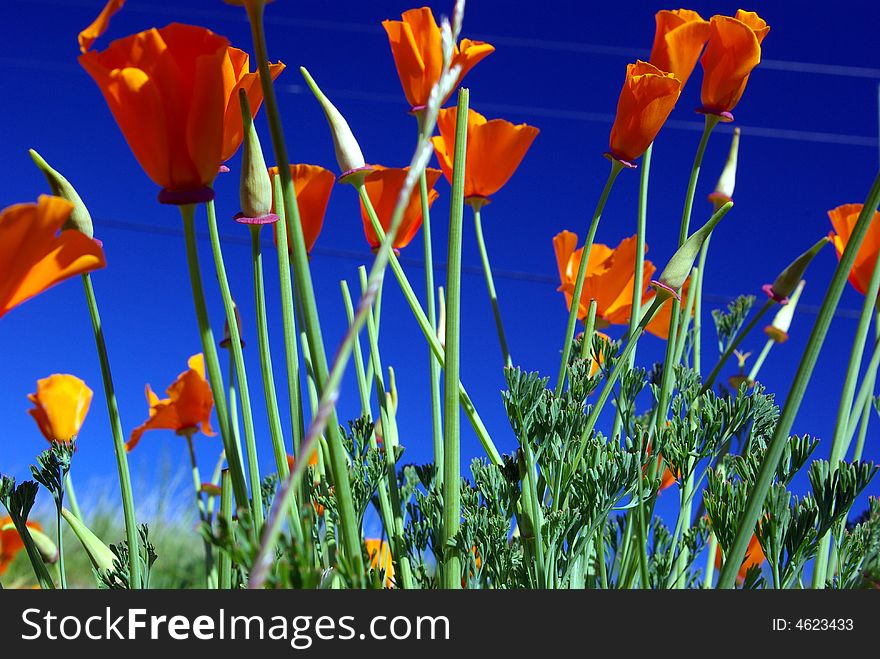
(187, 408)
(313, 461)
(494, 150)
(754, 556)
(34, 257)
(88, 36)
(678, 41)
(380, 559)
(60, 406)
(11, 542)
(659, 324)
(174, 94)
(383, 186)
(313, 185)
(418, 55)
(843, 219)
(646, 99)
(734, 50)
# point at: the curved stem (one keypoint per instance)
(616, 168)
(131, 531)
(490, 283)
(759, 362)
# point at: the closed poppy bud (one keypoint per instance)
(727, 181)
(788, 279)
(80, 219)
(100, 555)
(843, 219)
(734, 50)
(679, 267)
(255, 191)
(348, 152)
(777, 331)
(647, 98)
(678, 41)
(61, 403)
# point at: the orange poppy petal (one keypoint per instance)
(678, 41)
(88, 36)
(383, 187)
(734, 49)
(313, 186)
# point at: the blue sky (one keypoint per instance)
(809, 143)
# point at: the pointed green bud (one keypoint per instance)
(99, 554)
(777, 331)
(788, 279)
(679, 267)
(255, 191)
(727, 181)
(80, 219)
(348, 152)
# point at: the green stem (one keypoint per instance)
(710, 380)
(71, 497)
(225, 571)
(200, 503)
(451, 488)
(62, 570)
(866, 390)
(863, 428)
(131, 531)
(490, 282)
(681, 339)
(698, 304)
(711, 552)
(616, 168)
(759, 362)
(755, 501)
(253, 469)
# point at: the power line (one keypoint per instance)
(362, 256)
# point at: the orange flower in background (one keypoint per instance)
(60, 406)
(383, 186)
(174, 94)
(380, 559)
(647, 98)
(734, 50)
(11, 542)
(494, 150)
(418, 55)
(678, 42)
(754, 556)
(34, 256)
(313, 185)
(843, 219)
(88, 36)
(659, 324)
(187, 408)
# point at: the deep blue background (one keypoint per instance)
(809, 143)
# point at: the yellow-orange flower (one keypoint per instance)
(646, 99)
(659, 324)
(174, 93)
(11, 542)
(383, 186)
(88, 36)
(187, 408)
(61, 403)
(843, 219)
(34, 257)
(734, 50)
(380, 559)
(418, 55)
(678, 41)
(754, 556)
(313, 185)
(494, 150)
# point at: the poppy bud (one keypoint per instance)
(679, 267)
(348, 153)
(48, 550)
(727, 180)
(777, 331)
(256, 187)
(788, 279)
(99, 554)
(80, 219)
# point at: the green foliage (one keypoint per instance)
(728, 323)
(119, 577)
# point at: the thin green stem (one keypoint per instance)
(200, 503)
(490, 282)
(225, 570)
(759, 362)
(711, 552)
(131, 531)
(698, 304)
(616, 168)
(253, 469)
(70, 494)
(755, 501)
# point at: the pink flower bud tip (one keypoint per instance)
(269, 218)
(773, 295)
